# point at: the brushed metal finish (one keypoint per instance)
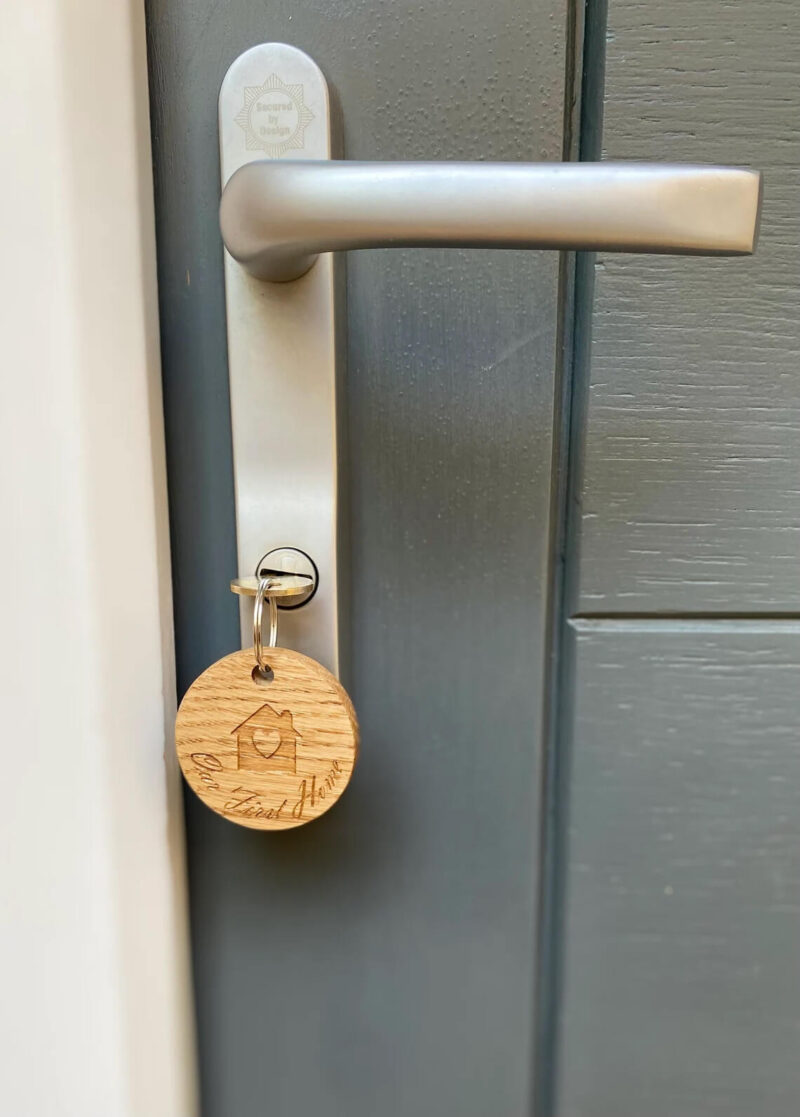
(281, 355)
(281, 585)
(276, 217)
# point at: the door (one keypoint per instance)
(682, 877)
(564, 879)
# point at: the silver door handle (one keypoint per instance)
(278, 215)
(285, 202)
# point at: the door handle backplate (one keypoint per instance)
(287, 206)
(282, 341)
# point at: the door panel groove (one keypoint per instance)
(582, 137)
(685, 622)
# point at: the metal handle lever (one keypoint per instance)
(278, 215)
(284, 339)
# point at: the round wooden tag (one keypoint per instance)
(269, 755)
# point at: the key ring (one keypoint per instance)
(262, 593)
(269, 588)
(270, 745)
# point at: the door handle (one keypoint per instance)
(285, 204)
(276, 216)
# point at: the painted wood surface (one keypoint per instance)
(382, 960)
(689, 497)
(682, 941)
(679, 760)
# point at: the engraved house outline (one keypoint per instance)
(266, 741)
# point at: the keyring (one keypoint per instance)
(269, 588)
(262, 594)
(269, 746)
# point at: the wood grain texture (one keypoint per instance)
(690, 493)
(682, 949)
(268, 755)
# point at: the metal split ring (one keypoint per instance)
(270, 587)
(262, 594)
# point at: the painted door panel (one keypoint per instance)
(689, 492)
(383, 959)
(682, 959)
(564, 879)
(678, 745)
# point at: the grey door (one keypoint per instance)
(682, 936)
(565, 878)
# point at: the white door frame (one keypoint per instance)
(96, 1015)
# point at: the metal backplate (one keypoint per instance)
(274, 104)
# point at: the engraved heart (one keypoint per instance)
(266, 742)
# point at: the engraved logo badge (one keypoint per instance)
(274, 117)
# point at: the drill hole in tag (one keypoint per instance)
(262, 675)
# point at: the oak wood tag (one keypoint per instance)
(269, 755)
